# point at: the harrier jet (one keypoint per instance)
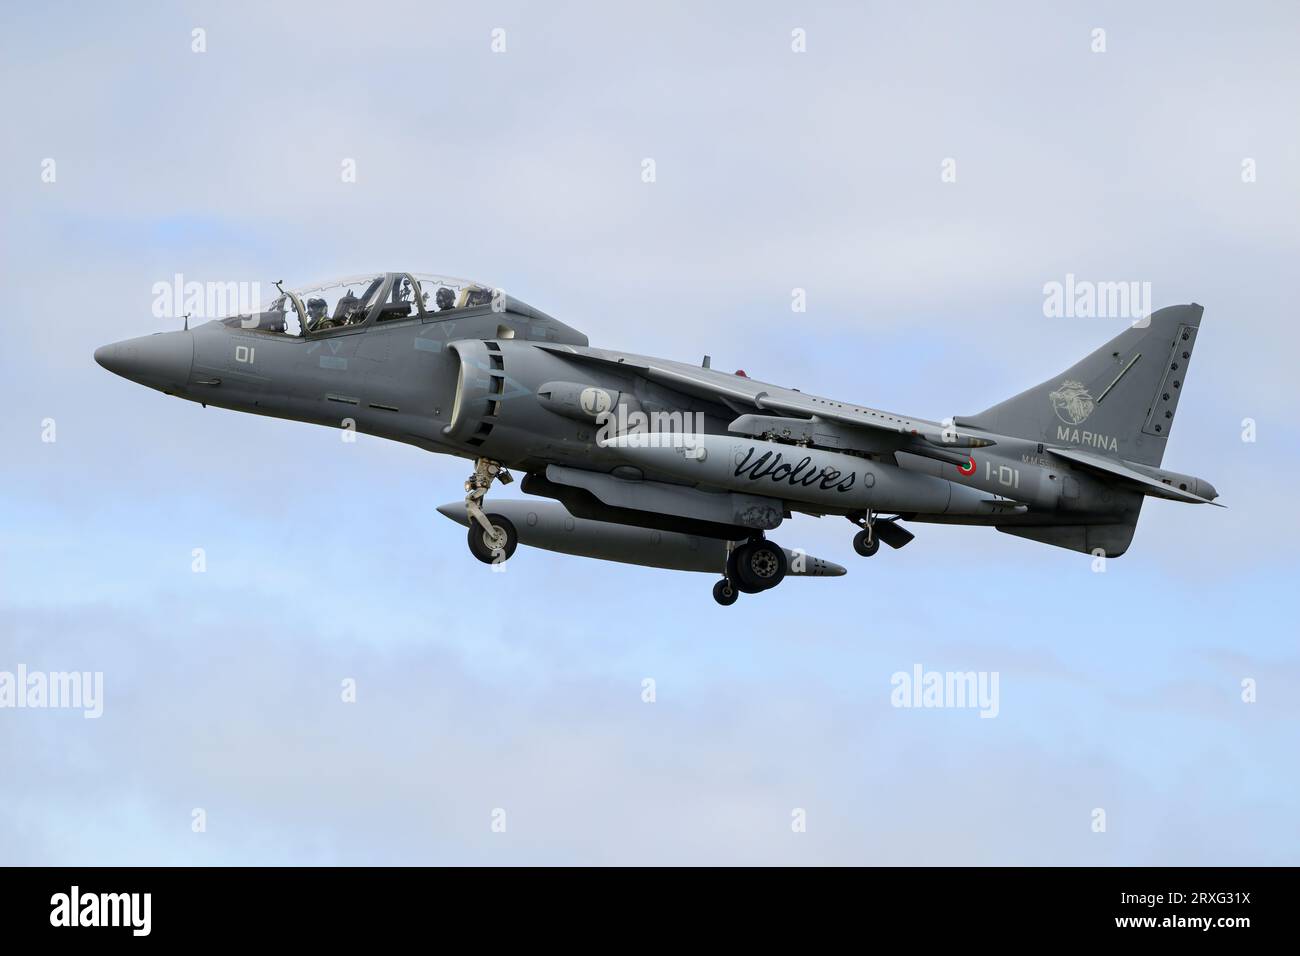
(672, 465)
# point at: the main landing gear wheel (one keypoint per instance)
(757, 566)
(865, 543)
(725, 593)
(497, 547)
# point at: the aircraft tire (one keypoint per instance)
(481, 547)
(863, 546)
(739, 581)
(758, 565)
(725, 593)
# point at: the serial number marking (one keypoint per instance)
(1004, 475)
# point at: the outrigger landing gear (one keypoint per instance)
(865, 541)
(754, 566)
(876, 529)
(492, 538)
(725, 593)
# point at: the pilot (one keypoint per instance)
(316, 315)
(446, 299)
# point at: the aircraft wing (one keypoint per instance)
(741, 393)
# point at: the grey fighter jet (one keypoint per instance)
(667, 464)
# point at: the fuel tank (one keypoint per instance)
(547, 525)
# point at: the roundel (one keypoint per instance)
(968, 468)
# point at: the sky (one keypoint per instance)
(920, 171)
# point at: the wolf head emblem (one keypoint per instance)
(1072, 403)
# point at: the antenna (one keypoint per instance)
(187, 321)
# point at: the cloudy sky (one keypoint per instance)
(774, 170)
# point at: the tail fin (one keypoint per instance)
(1119, 401)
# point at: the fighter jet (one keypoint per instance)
(668, 464)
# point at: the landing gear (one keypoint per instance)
(866, 543)
(752, 567)
(725, 593)
(497, 545)
(757, 565)
(875, 530)
(492, 538)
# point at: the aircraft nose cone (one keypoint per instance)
(161, 361)
(105, 355)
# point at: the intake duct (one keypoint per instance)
(480, 391)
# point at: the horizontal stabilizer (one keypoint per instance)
(1144, 483)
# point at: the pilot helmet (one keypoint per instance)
(316, 307)
(445, 298)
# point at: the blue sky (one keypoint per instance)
(522, 691)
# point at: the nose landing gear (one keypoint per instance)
(492, 538)
(496, 545)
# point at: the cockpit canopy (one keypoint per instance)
(358, 300)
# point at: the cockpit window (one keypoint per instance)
(440, 294)
(280, 315)
(400, 303)
(344, 303)
(292, 324)
(340, 303)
